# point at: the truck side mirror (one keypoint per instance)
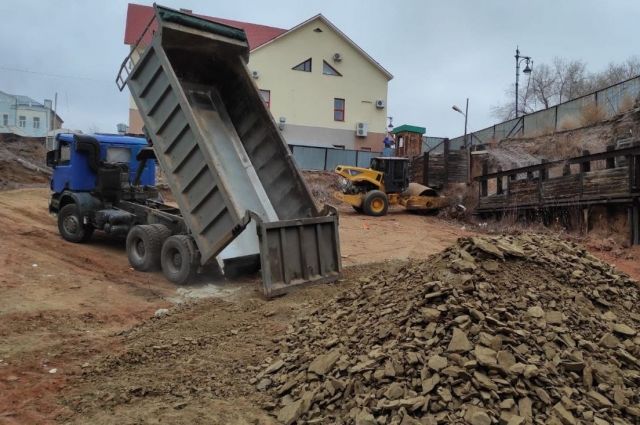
(52, 158)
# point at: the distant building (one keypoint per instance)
(23, 116)
(322, 88)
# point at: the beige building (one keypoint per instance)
(322, 89)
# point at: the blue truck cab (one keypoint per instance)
(97, 182)
(74, 166)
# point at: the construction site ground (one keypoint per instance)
(64, 307)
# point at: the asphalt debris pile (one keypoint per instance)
(495, 330)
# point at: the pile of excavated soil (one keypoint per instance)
(509, 330)
(322, 185)
(22, 164)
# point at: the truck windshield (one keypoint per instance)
(65, 153)
(118, 155)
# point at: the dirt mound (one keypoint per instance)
(510, 330)
(22, 164)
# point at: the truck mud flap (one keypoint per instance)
(297, 252)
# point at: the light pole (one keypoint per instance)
(526, 70)
(465, 113)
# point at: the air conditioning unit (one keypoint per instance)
(380, 104)
(337, 57)
(255, 74)
(361, 129)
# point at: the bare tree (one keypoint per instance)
(563, 81)
(544, 85)
(571, 79)
(526, 102)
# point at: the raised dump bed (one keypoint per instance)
(223, 155)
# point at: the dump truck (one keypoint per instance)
(238, 191)
(386, 182)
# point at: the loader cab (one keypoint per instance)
(395, 172)
(100, 163)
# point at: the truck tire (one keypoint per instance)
(179, 259)
(375, 203)
(144, 245)
(71, 227)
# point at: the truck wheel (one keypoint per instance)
(70, 225)
(144, 244)
(179, 259)
(375, 203)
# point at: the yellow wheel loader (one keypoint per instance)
(386, 182)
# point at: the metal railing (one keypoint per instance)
(129, 63)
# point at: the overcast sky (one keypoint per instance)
(440, 52)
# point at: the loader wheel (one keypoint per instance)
(144, 244)
(179, 259)
(71, 227)
(375, 203)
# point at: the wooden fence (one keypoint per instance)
(438, 169)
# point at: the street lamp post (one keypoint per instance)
(465, 113)
(526, 70)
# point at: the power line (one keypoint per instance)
(46, 74)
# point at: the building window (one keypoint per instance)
(36, 122)
(5, 120)
(266, 97)
(338, 109)
(329, 70)
(365, 149)
(304, 66)
(22, 121)
(339, 146)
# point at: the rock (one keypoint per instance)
(485, 356)
(487, 247)
(161, 312)
(394, 392)
(459, 342)
(485, 381)
(505, 359)
(525, 408)
(430, 383)
(564, 415)
(492, 341)
(274, 367)
(491, 266)
(477, 416)
(519, 340)
(516, 420)
(599, 399)
(609, 340)
(622, 329)
(290, 412)
(437, 363)
(554, 317)
(430, 314)
(535, 311)
(263, 384)
(323, 364)
(365, 418)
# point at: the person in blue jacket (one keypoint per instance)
(388, 145)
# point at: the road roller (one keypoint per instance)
(386, 182)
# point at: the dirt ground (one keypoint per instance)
(78, 343)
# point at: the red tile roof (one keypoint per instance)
(138, 16)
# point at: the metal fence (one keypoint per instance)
(563, 116)
(321, 158)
